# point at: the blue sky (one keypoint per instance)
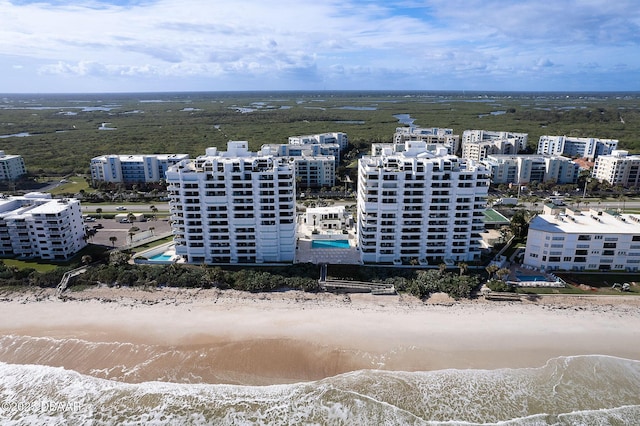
(54, 46)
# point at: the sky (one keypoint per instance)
(56, 46)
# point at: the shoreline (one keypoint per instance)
(228, 336)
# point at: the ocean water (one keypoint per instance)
(581, 390)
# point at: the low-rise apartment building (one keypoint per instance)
(233, 206)
(11, 166)
(618, 168)
(523, 169)
(37, 226)
(420, 207)
(132, 169)
(432, 136)
(568, 146)
(589, 240)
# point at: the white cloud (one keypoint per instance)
(353, 41)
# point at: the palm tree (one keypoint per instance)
(86, 259)
(442, 268)
(151, 229)
(463, 268)
(113, 240)
(492, 269)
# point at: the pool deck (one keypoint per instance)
(306, 254)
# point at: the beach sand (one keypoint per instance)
(213, 336)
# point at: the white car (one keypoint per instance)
(121, 208)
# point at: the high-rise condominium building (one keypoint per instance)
(589, 148)
(619, 168)
(434, 135)
(233, 207)
(11, 166)
(314, 164)
(478, 144)
(416, 206)
(133, 168)
(37, 226)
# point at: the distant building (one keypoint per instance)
(131, 169)
(478, 144)
(37, 226)
(314, 164)
(589, 148)
(338, 138)
(592, 240)
(415, 206)
(523, 169)
(618, 168)
(11, 166)
(233, 207)
(432, 136)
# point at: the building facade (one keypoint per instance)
(478, 144)
(37, 226)
(523, 169)
(589, 148)
(419, 207)
(233, 207)
(593, 240)
(11, 166)
(338, 138)
(618, 168)
(130, 169)
(443, 137)
(314, 164)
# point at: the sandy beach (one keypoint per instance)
(213, 336)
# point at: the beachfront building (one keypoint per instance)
(131, 169)
(478, 144)
(568, 146)
(11, 166)
(618, 168)
(314, 164)
(233, 206)
(588, 240)
(417, 206)
(432, 136)
(523, 169)
(37, 226)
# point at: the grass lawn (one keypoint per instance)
(75, 185)
(38, 265)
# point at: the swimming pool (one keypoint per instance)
(162, 257)
(531, 277)
(332, 244)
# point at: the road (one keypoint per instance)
(134, 208)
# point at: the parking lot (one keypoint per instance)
(107, 228)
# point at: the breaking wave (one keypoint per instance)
(584, 390)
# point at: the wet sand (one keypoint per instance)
(212, 336)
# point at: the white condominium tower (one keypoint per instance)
(619, 168)
(415, 206)
(478, 144)
(11, 166)
(233, 207)
(576, 147)
(434, 135)
(133, 168)
(37, 226)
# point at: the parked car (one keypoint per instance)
(125, 221)
(98, 226)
